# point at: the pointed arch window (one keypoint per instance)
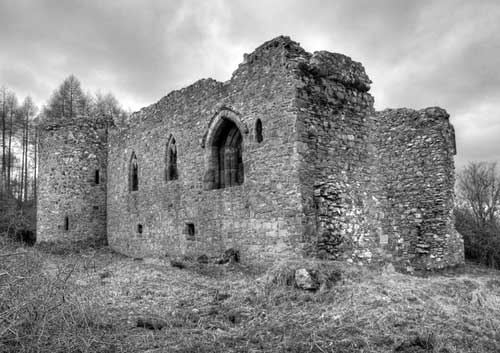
(133, 173)
(171, 172)
(225, 164)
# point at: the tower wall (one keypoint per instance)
(71, 201)
(417, 176)
(334, 133)
(375, 186)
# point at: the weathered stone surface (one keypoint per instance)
(71, 197)
(203, 259)
(229, 256)
(286, 158)
(305, 279)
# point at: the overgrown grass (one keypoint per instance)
(121, 305)
(39, 311)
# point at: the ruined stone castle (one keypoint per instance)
(287, 158)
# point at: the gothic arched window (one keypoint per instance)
(133, 174)
(225, 165)
(171, 172)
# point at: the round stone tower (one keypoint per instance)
(72, 180)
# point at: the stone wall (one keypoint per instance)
(415, 159)
(336, 170)
(313, 170)
(261, 217)
(71, 204)
(375, 186)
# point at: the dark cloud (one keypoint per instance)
(418, 53)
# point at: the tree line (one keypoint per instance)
(18, 135)
(20, 123)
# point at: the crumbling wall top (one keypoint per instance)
(282, 44)
(187, 95)
(428, 118)
(417, 118)
(77, 122)
(340, 68)
(321, 64)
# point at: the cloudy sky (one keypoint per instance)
(417, 53)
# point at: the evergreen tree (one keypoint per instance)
(67, 101)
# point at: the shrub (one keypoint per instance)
(481, 242)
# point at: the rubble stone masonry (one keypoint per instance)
(72, 181)
(287, 158)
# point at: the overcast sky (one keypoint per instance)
(417, 53)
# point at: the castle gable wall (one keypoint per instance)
(416, 171)
(334, 131)
(260, 217)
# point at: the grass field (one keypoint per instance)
(54, 299)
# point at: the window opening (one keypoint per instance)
(190, 231)
(171, 161)
(66, 223)
(96, 177)
(258, 131)
(133, 173)
(225, 167)
(139, 228)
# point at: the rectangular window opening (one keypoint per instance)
(189, 230)
(139, 228)
(96, 177)
(66, 223)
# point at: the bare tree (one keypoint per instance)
(35, 159)
(3, 97)
(477, 212)
(29, 110)
(14, 112)
(479, 189)
(107, 109)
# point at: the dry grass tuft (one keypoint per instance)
(39, 312)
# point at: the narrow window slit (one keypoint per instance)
(133, 173)
(258, 131)
(171, 172)
(190, 232)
